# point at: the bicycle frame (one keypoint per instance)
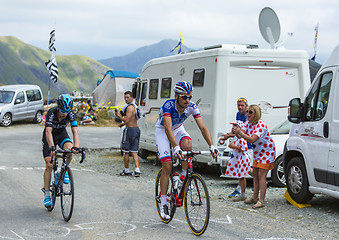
(180, 196)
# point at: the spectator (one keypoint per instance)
(242, 105)
(255, 131)
(89, 117)
(239, 163)
(131, 135)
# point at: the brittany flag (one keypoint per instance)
(51, 65)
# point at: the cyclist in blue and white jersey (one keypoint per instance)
(171, 132)
(55, 133)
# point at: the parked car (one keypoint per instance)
(19, 102)
(279, 134)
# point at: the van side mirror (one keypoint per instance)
(295, 112)
(17, 101)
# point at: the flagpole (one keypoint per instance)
(49, 87)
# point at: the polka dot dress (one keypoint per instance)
(264, 147)
(239, 163)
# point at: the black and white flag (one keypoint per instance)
(51, 41)
(52, 68)
(51, 65)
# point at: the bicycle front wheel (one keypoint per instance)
(197, 204)
(53, 190)
(67, 194)
(170, 198)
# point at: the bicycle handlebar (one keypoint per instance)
(191, 154)
(67, 151)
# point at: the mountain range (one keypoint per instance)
(21, 63)
(134, 61)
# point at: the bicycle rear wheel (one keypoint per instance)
(67, 194)
(197, 204)
(170, 198)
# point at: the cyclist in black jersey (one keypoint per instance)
(55, 133)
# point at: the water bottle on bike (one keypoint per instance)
(176, 180)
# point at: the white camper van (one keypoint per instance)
(220, 75)
(311, 153)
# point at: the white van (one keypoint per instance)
(19, 102)
(311, 153)
(220, 75)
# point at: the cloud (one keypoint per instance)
(102, 27)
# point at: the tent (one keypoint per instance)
(110, 89)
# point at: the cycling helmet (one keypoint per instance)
(183, 87)
(65, 103)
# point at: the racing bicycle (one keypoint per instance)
(60, 187)
(192, 193)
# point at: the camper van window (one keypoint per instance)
(198, 77)
(166, 87)
(143, 94)
(153, 88)
(21, 97)
(316, 101)
(33, 95)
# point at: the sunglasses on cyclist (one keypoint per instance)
(250, 112)
(186, 97)
(63, 111)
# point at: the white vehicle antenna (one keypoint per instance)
(269, 26)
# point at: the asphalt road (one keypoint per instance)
(106, 207)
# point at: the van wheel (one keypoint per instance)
(297, 181)
(277, 174)
(38, 117)
(143, 153)
(6, 120)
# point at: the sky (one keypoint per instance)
(102, 29)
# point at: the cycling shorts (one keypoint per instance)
(130, 139)
(59, 139)
(164, 146)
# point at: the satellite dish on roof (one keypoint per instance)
(269, 26)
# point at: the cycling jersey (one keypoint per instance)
(52, 120)
(60, 135)
(264, 147)
(169, 109)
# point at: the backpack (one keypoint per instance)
(137, 110)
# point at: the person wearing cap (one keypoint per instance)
(242, 105)
(239, 164)
(170, 131)
(255, 131)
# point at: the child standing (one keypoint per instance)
(239, 163)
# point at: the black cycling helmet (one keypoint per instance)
(183, 87)
(65, 103)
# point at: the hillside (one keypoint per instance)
(22, 63)
(134, 61)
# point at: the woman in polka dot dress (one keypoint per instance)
(255, 131)
(239, 163)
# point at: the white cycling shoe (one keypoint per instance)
(164, 212)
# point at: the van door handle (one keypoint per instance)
(326, 129)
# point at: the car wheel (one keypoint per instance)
(38, 117)
(277, 174)
(143, 153)
(6, 120)
(297, 181)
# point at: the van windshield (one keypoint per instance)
(6, 96)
